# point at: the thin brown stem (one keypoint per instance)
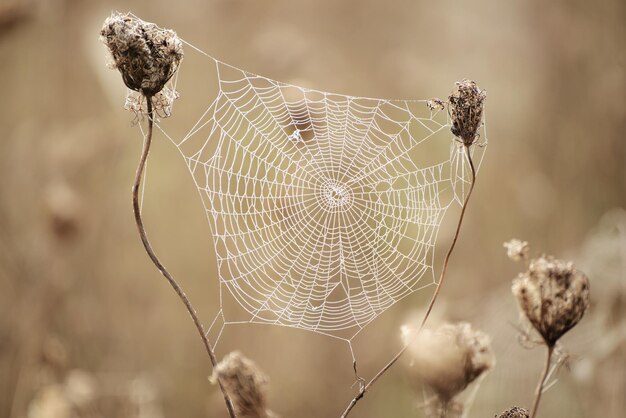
(146, 243)
(542, 381)
(456, 237)
(382, 371)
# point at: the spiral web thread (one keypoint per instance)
(324, 208)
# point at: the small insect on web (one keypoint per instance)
(324, 208)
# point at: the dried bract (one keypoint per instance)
(553, 296)
(517, 250)
(451, 357)
(514, 412)
(245, 384)
(161, 102)
(146, 55)
(465, 105)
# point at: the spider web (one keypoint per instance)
(324, 208)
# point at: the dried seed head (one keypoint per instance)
(65, 210)
(517, 250)
(451, 357)
(81, 388)
(553, 296)
(515, 412)
(245, 384)
(146, 55)
(466, 110)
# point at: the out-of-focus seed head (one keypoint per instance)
(466, 105)
(514, 412)
(146, 55)
(451, 357)
(517, 250)
(553, 296)
(245, 384)
(65, 210)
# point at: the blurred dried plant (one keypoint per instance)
(65, 210)
(553, 296)
(81, 394)
(245, 383)
(517, 250)
(447, 360)
(15, 12)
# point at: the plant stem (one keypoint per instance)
(361, 393)
(542, 381)
(454, 240)
(148, 247)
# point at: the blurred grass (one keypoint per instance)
(71, 266)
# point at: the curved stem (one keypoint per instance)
(146, 243)
(542, 381)
(361, 393)
(454, 240)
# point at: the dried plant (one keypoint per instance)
(517, 250)
(80, 394)
(514, 412)
(553, 296)
(245, 384)
(466, 105)
(447, 360)
(147, 57)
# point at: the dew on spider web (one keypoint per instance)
(324, 208)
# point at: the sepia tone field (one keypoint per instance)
(89, 328)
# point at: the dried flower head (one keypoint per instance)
(553, 296)
(146, 55)
(465, 105)
(245, 384)
(451, 357)
(517, 250)
(514, 412)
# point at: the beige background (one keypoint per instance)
(78, 292)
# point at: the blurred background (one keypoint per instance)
(88, 328)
